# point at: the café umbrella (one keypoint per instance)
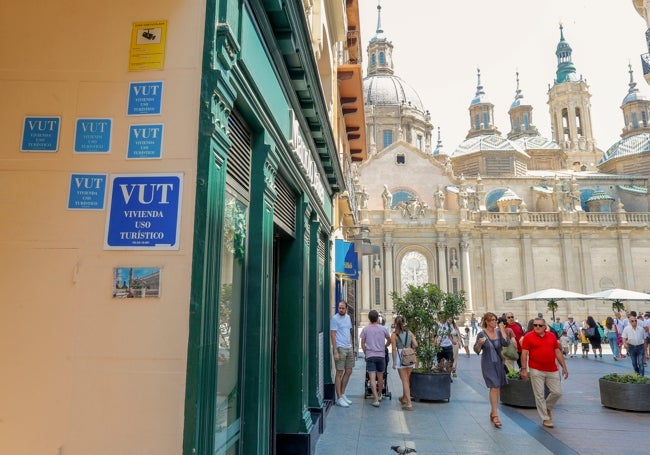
(552, 295)
(617, 296)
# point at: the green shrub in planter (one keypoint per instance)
(628, 392)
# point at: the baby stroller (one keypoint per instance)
(368, 388)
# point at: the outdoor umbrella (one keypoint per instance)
(617, 296)
(551, 296)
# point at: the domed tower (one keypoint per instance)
(521, 117)
(484, 151)
(636, 110)
(544, 154)
(630, 155)
(570, 109)
(394, 110)
(481, 112)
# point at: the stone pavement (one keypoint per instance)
(462, 425)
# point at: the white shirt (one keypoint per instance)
(634, 336)
(620, 325)
(575, 333)
(342, 325)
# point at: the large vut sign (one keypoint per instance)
(144, 212)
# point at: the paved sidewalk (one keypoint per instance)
(462, 426)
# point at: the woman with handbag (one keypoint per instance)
(402, 338)
(489, 342)
(593, 336)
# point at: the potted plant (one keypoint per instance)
(628, 392)
(424, 307)
(518, 392)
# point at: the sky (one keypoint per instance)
(438, 45)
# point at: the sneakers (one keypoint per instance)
(346, 399)
(341, 402)
(376, 403)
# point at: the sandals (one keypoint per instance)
(407, 408)
(495, 420)
(402, 399)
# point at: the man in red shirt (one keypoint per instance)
(519, 332)
(540, 354)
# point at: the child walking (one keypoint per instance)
(585, 343)
(564, 343)
(465, 341)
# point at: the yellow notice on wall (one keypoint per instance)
(148, 46)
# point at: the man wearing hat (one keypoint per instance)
(573, 333)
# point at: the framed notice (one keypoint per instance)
(144, 212)
(147, 50)
(41, 134)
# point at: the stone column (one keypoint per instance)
(442, 264)
(465, 268)
(389, 280)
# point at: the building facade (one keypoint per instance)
(502, 216)
(175, 175)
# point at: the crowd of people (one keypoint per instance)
(541, 350)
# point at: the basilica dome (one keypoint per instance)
(390, 90)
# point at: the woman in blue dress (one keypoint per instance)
(489, 342)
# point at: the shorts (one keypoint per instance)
(375, 364)
(573, 340)
(585, 347)
(346, 359)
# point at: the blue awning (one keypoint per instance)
(346, 261)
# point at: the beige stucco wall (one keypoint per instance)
(83, 373)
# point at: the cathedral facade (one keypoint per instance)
(500, 216)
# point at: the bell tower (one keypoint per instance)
(570, 109)
(380, 51)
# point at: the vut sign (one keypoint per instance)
(144, 212)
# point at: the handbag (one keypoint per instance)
(619, 338)
(590, 332)
(510, 352)
(407, 357)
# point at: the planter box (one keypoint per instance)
(431, 386)
(625, 396)
(519, 393)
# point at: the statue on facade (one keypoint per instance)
(439, 197)
(387, 197)
(363, 198)
(463, 197)
(448, 169)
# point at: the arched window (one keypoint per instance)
(401, 196)
(414, 270)
(382, 58)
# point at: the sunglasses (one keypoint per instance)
(632, 320)
(539, 325)
(510, 317)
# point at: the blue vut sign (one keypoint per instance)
(145, 141)
(41, 134)
(144, 212)
(145, 98)
(87, 192)
(93, 135)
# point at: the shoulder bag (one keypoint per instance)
(510, 351)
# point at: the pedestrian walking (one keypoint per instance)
(374, 341)
(540, 356)
(489, 343)
(633, 338)
(403, 338)
(612, 335)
